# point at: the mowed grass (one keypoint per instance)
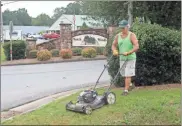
(141, 107)
(3, 57)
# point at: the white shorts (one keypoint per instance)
(128, 68)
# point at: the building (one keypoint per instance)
(20, 31)
(27, 29)
(78, 20)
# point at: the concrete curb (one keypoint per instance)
(29, 107)
(49, 62)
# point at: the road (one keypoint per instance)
(22, 84)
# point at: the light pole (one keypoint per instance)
(2, 33)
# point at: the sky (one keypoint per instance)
(35, 8)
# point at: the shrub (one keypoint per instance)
(76, 51)
(44, 55)
(89, 52)
(159, 56)
(55, 52)
(3, 57)
(66, 53)
(33, 54)
(100, 50)
(18, 49)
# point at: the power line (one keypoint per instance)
(8, 3)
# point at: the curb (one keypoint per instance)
(50, 62)
(32, 106)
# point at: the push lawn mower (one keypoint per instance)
(89, 100)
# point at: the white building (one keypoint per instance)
(79, 20)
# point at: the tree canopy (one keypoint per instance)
(165, 13)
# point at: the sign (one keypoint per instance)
(10, 28)
(89, 40)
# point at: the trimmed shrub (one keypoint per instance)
(18, 49)
(100, 50)
(3, 57)
(89, 52)
(159, 56)
(76, 51)
(66, 53)
(33, 54)
(44, 55)
(55, 52)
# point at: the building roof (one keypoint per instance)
(27, 29)
(79, 20)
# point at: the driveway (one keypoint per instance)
(23, 84)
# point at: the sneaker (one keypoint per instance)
(124, 93)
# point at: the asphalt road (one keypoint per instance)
(22, 84)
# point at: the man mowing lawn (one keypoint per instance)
(127, 44)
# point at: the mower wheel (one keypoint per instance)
(68, 104)
(87, 110)
(110, 98)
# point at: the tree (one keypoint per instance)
(165, 13)
(73, 8)
(58, 12)
(42, 20)
(84, 26)
(23, 17)
(10, 16)
(19, 17)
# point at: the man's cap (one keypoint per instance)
(123, 23)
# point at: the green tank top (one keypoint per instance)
(125, 45)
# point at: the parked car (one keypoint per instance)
(51, 36)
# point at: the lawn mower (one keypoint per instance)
(89, 100)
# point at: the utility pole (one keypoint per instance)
(130, 12)
(1, 34)
(1, 17)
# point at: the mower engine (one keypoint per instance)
(87, 96)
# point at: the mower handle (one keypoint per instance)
(105, 66)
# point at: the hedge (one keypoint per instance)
(55, 52)
(159, 56)
(18, 49)
(89, 52)
(33, 54)
(76, 51)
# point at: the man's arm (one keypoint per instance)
(115, 43)
(134, 40)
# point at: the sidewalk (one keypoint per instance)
(6, 115)
(52, 60)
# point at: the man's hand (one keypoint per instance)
(125, 53)
(115, 52)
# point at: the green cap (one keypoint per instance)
(123, 23)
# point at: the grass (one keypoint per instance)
(3, 57)
(141, 107)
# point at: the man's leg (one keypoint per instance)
(127, 83)
(129, 71)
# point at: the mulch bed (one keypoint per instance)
(156, 87)
(52, 60)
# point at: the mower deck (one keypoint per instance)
(82, 106)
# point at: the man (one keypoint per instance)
(127, 44)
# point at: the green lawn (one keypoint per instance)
(159, 107)
(3, 57)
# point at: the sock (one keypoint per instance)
(125, 90)
(130, 84)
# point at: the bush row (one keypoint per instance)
(159, 56)
(43, 55)
(19, 51)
